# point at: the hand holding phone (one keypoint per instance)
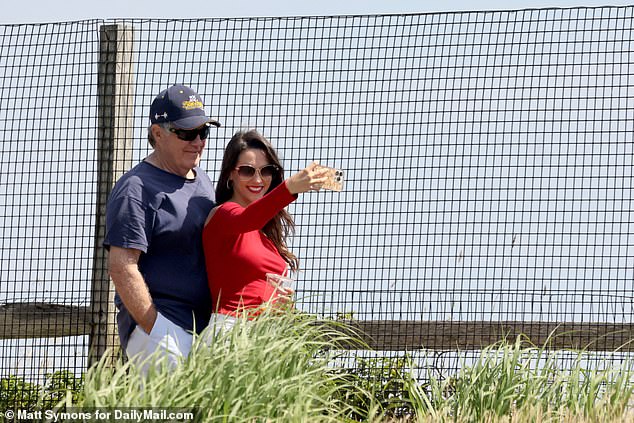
(335, 178)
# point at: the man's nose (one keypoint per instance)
(199, 141)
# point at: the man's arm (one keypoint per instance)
(131, 287)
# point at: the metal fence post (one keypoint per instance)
(114, 145)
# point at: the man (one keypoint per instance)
(154, 220)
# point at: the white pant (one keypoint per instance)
(173, 342)
(217, 323)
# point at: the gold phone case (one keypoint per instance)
(335, 178)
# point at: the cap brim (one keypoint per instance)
(194, 122)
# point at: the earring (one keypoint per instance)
(228, 187)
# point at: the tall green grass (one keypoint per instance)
(511, 382)
(279, 368)
(276, 368)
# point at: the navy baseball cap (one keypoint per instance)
(181, 106)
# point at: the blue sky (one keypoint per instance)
(70, 10)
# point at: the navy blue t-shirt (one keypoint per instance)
(162, 215)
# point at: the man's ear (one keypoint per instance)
(157, 132)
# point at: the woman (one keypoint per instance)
(245, 235)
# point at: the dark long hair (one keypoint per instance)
(282, 225)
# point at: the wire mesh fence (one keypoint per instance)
(487, 159)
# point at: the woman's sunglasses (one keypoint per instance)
(190, 135)
(246, 172)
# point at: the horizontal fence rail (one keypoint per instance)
(39, 320)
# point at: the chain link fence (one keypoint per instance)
(487, 159)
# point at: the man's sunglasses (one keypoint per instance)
(246, 172)
(191, 134)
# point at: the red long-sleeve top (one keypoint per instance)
(238, 255)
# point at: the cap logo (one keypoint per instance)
(192, 103)
(164, 116)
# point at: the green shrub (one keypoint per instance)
(17, 394)
(379, 387)
(60, 384)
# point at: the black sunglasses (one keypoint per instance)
(246, 172)
(191, 134)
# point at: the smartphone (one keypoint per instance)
(335, 178)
